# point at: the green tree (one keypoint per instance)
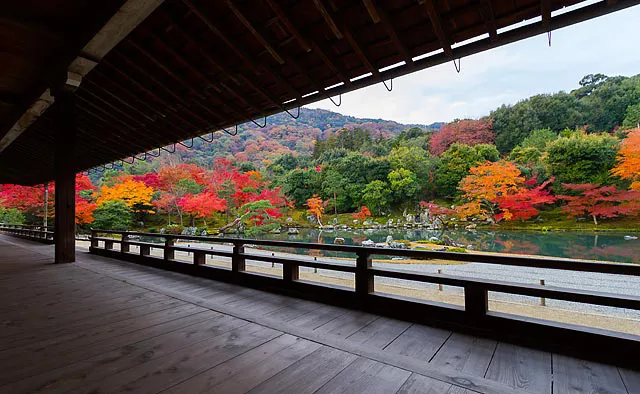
(112, 215)
(377, 196)
(300, 185)
(582, 158)
(404, 184)
(11, 216)
(632, 118)
(539, 139)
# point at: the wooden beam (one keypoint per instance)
(276, 56)
(237, 49)
(65, 178)
(328, 19)
(486, 9)
(290, 26)
(391, 32)
(433, 16)
(545, 11)
(371, 9)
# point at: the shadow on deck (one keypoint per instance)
(103, 325)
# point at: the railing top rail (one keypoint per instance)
(522, 261)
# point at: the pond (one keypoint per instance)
(570, 244)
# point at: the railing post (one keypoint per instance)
(94, 241)
(199, 258)
(364, 278)
(108, 245)
(476, 301)
(169, 253)
(238, 263)
(145, 250)
(124, 245)
(290, 272)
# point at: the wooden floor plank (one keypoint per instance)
(379, 333)
(419, 342)
(366, 376)
(317, 317)
(84, 363)
(245, 372)
(346, 324)
(521, 368)
(465, 353)
(184, 363)
(631, 379)
(309, 374)
(63, 343)
(418, 384)
(574, 376)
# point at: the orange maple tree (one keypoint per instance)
(484, 184)
(628, 166)
(137, 195)
(316, 207)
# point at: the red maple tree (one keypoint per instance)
(600, 201)
(468, 132)
(522, 204)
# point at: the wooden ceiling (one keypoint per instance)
(196, 66)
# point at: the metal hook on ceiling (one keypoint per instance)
(110, 166)
(133, 160)
(173, 149)
(207, 140)
(262, 126)
(230, 133)
(457, 65)
(339, 103)
(144, 157)
(387, 87)
(150, 153)
(185, 145)
(290, 114)
(549, 37)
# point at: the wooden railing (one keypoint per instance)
(35, 233)
(474, 315)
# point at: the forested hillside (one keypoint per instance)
(283, 135)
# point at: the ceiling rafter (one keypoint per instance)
(256, 67)
(391, 31)
(486, 10)
(328, 19)
(276, 56)
(436, 22)
(281, 15)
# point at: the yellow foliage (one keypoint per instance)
(133, 193)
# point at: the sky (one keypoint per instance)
(609, 45)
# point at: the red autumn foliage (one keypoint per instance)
(202, 205)
(600, 201)
(469, 132)
(362, 214)
(522, 204)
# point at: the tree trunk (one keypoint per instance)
(595, 220)
(229, 225)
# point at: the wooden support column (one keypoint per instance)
(65, 178)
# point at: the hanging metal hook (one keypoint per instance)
(339, 103)
(173, 149)
(458, 65)
(230, 133)
(387, 87)
(185, 145)
(133, 160)
(110, 166)
(207, 140)
(549, 36)
(259, 125)
(290, 114)
(144, 157)
(150, 153)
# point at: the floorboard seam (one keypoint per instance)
(474, 383)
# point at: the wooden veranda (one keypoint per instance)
(103, 325)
